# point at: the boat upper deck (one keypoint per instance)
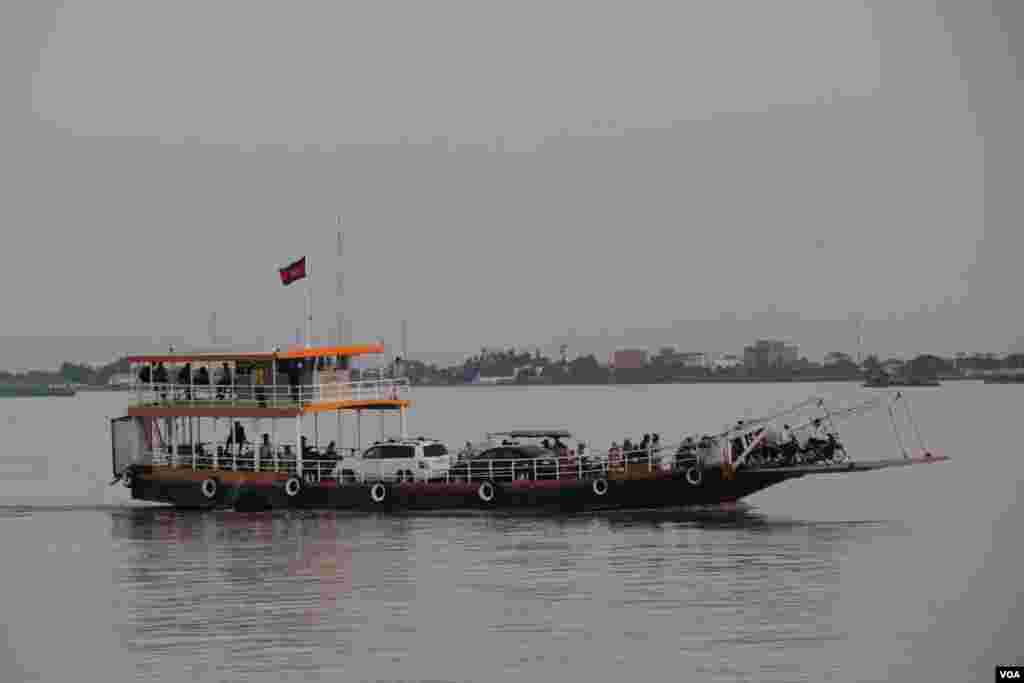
(265, 384)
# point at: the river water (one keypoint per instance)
(907, 574)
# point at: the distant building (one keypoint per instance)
(529, 370)
(724, 361)
(120, 380)
(893, 367)
(628, 359)
(769, 353)
(837, 358)
(670, 356)
(693, 359)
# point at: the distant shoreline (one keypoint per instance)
(691, 380)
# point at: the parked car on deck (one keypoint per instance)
(396, 461)
(507, 462)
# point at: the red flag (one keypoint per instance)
(293, 272)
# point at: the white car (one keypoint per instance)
(396, 461)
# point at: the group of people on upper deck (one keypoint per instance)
(224, 380)
(186, 378)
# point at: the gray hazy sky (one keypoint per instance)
(658, 162)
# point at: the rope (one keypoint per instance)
(899, 439)
(917, 432)
(749, 425)
(855, 409)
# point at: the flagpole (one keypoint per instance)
(309, 306)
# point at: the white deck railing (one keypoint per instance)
(347, 468)
(270, 395)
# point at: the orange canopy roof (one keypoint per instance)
(217, 356)
(321, 351)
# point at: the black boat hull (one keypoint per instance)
(570, 495)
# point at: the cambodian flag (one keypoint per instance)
(293, 272)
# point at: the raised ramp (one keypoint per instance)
(866, 466)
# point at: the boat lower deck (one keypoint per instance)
(191, 488)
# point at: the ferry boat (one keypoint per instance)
(884, 380)
(183, 441)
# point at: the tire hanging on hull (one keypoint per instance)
(694, 476)
(486, 492)
(209, 488)
(378, 493)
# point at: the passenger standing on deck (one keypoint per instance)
(185, 380)
(293, 379)
(614, 453)
(261, 383)
(236, 438)
(790, 446)
(266, 451)
(240, 439)
(223, 380)
(160, 377)
(738, 444)
(567, 465)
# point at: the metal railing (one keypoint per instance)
(349, 468)
(270, 395)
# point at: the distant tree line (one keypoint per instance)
(69, 373)
(526, 368)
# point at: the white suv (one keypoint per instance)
(397, 460)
